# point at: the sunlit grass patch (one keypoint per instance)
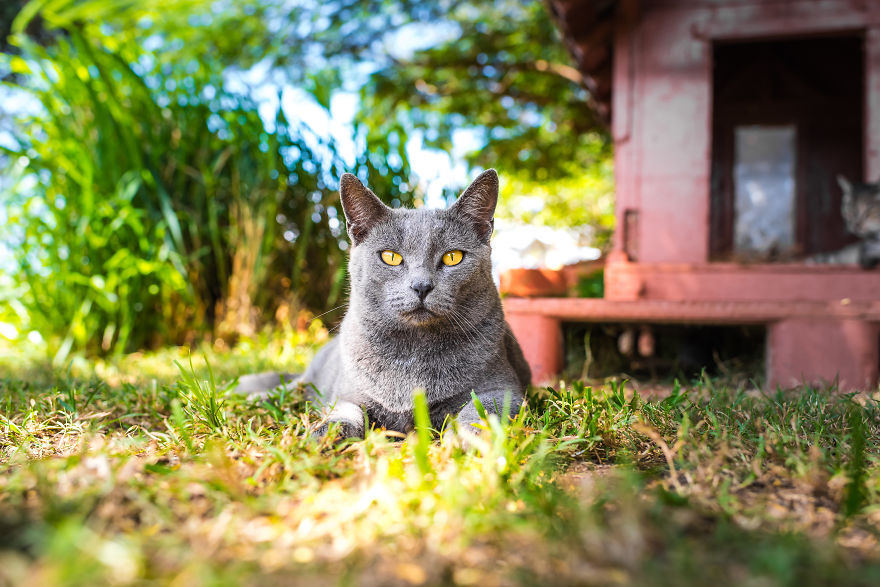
(127, 482)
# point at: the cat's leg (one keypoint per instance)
(869, 253)
(503, 402)
(516, 358)
(350, 418)
(259, 385)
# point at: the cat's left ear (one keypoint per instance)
(363, 209)
(477, 203)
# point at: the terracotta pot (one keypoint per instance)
(582, 269)
(533, 283)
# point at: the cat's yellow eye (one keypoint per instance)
(391, 258)
(452, 258)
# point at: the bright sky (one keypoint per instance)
(435, 169)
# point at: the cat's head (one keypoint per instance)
(421, 268)
(860, 207)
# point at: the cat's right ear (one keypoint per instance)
(363, 209)
(845, 185)
(477, 203)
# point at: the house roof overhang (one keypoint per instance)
(588, 28)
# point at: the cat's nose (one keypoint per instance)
(422, 287)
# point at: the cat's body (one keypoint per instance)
(417, 322)
(860, 209)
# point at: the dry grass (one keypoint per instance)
(114, 474)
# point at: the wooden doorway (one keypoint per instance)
(787, 118)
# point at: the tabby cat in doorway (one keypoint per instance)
(860, 209)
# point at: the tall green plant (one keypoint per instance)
(154, 204)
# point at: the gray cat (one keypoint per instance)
(860, 208)
(424, 313)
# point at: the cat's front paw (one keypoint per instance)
(869, 253)
(343, 429)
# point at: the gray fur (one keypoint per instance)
(263, 383)
(860, 208)
(391, 343)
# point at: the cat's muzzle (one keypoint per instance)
(420, 315)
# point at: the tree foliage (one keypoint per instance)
(503, 71)
(154, 203)
(158, 201)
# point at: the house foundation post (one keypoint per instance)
(540, 338)
(813, 350)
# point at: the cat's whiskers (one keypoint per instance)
(313, 346)
(473, 327)
(450, 314)
(461, 327)
(488, 340)
(345, 305)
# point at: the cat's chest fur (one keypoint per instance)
(380, 374)
(443, 366)
(381, 371)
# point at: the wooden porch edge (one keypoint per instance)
(668, 311)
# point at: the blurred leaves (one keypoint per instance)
(153, 204)
(160, 196)
(577, 199)
(501, 69)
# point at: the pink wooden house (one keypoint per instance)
(731, 120)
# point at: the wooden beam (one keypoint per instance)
(681, 312)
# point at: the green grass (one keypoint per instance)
(133, 472)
